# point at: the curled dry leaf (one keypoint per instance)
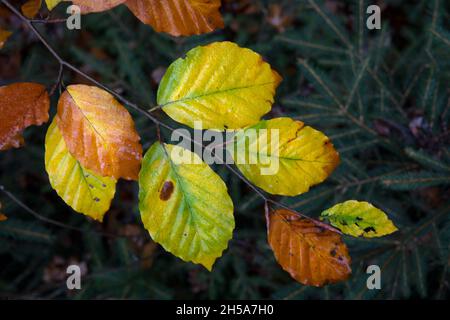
(311, 254)
(4, 35)
(99, 132)
(221, 84)
(21, 105)
(178, 17)
(88, 6)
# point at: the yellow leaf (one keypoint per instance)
(311, 254)
(220, 84)
(83, 190)
(288, 157)
(178, 17)
(359, 218)
(185, 207)
(52, 3)
(99, 132)
(4, 35)
(31, 8)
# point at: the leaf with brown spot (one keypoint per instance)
(311, 254)
(88, 6)
(99, 132)
(21, 105)
(178, 17)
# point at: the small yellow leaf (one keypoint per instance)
(284, 156)
(359, 218)
(31, 8)
(52, 3)
(83, 190)
(4, 35)
(185, 206)
(220, 84)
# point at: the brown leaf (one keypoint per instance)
(178, 17)
(88, 6)
(21, 105)
(4, 35)
(99, 132)
(311, 254)
(31, 8)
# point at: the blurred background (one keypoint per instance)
(382, 96)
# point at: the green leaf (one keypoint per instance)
(220, 84)
(359, 218)
(184, 204)
(83, 190)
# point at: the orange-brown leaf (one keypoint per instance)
(31, 8)
(21, 105)
(88, 6)
(178, 17)
(99, 132)
(310, 253)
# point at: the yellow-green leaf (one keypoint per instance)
(283, 156)
(84, 191)
(185, 206)
(2, 216)
(52, 3)
(359, 218)
(220, 84)
(99, 132)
